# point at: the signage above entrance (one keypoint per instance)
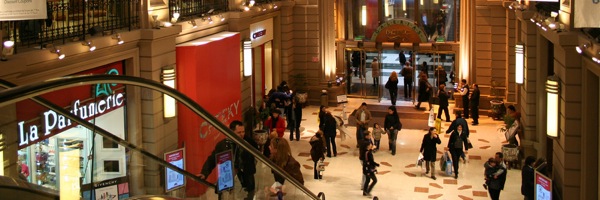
(261, 32)
(399, 30)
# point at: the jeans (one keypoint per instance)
(455, 152)
(393, 134)
(294, 125)
(317, 173)
(359, 135)
(408, 86)
(330, 140)
(366, 187)
(393, 95)
(376, 81)
(377, 144)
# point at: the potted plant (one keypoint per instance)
(300, 87)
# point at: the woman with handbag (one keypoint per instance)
(392, 125)
(317, 153)
(429, 150)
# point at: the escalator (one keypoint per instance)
(71, 184)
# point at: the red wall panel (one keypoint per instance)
(209, 74)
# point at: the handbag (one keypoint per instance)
(321, 166)
(469, 144)
(420, 160)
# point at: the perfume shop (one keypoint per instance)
(57, 153)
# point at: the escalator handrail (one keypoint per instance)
(108, 135)
(20, 93)
(16, 184)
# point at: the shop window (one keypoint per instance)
(109, 144)
(111, 166)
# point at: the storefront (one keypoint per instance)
(212, 64)
(59, 154)
(261, 38)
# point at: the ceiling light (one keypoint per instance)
(7, 50)
(118, 38)
(582, 47)
(89, 44)
(553, 14)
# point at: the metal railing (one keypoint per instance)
(19, 93)
(189, 9)
(73, 19)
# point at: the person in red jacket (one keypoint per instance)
(276, 123)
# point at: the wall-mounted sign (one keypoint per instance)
(261, 32)
(174, 180)
(36, 123)
(586, 14)
(11, 10)
(399, 30)
(112, 189)
(224, 171)
(543, 187)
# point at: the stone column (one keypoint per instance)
(529, 91)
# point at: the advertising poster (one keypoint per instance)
(586, 14)
(107, 193)
(11, 10)
(112, 189)
(543, 187)
(225, 171)
(174, 180)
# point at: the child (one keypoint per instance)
(491, 171)
(377, 131)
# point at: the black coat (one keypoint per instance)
(498, 183)
(369, 164)
(475, 97)
(429, 147)
(423, 93)
(297, 115)
(456, 122)
(527, 180)
(243, 160)
(443, 98)
(317, 150)
(392, 121)
(328, 125)
(392, 85)
(464, 136)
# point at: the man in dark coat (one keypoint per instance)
(429, 150)
(464, 92)
(244, 162)
(497, 182)
(527, 178)
(475, 104)
(294, 118)
(456, 143)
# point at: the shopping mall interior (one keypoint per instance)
(133, 99)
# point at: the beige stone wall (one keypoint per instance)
(306, 42)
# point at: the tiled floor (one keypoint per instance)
(398, 177)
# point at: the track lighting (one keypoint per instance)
(7, 49)
(118, 38)
(582, 47)
(89, 44)
(56, 51)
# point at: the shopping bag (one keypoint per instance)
(448, 169)
(420, 160)
(438, 126)
(431, 122)
(321, 166)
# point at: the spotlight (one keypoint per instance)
(193, 22)
(553, 14)
(222, 17)
(274, 6)
(118, 38)
(57, 52)
(252, 2)
(596, 60)
(263, 8)
(7, 50)
(552, 25)
(246, 8)
(89, 44)
(544, 28)
(582, 47)
(532, 20)
(175, 17)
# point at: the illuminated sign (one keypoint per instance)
(173, 179)
(261, 32)
(399, 30)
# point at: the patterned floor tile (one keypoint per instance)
(311, 131)
(310, 159)
(409, 166)
(345, 146)
(484, 147)
(435, 196)
(473, 157)
(382, 172)
(306, 137)
(472, 131)
(303, 154)
(436, 185)
(464, 197)
(342, 153)
(307, 167)
(386, 164)
(480, 194)
(337, 109)
(315, 113)
(482, 140)
(464, 187)
(422, 189)
(410, 174)
(450, 181)
(303, 119)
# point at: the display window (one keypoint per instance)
(61, 155)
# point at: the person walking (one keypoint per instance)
(392, 125)
(497, 181)
(424, 91)
(369, 169)
(317, 152)
(243, 161)
(425, 69)
(440, 75)
(392, 86)
(475, 104)
(464, 92)
(377, 132)
(294, 117)
(408, 74)
(363, 117)
(375, 72)
(456, 143)
(443, 96)
(527, 178)
(328, 126)
(429, 150)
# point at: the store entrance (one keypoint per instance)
(362, 80)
